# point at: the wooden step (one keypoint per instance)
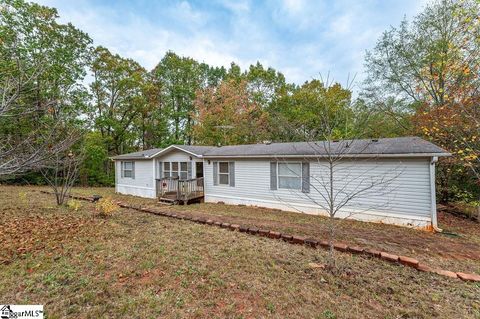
(167, 201)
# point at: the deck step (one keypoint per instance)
(167, 201)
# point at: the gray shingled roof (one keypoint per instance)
(147, 154)
(138, 155)
(383, 146)
(196, 149)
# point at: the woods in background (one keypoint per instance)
(422, 79)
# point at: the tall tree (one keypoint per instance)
(179, 79)
(265, 84)
(228, 115)
(431, 68)
(118, 98)
(301, 111)
(42, 64)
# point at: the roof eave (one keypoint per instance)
(168, 149)
(344, 155)
(131, 158)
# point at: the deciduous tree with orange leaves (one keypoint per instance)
(228, 114)
(432, 66)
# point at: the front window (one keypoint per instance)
(127, 169)
(223, 173)
(166, 169)
(290, 175)
(183, 170)
(175, 169)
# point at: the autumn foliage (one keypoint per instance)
(106, 207)
(228, 114)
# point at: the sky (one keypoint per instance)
(303, 39)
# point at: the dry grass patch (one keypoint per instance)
(457, 249)
(140, 265)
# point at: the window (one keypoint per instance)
(166, 169)
(175, 169)
(290, 175)
(183, 170)
(127, 170)
(223, 173)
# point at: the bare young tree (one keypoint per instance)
(61, 173)
(338, 175)
(346, 175)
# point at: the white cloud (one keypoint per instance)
(301, 39)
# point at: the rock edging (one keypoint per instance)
(299, 240)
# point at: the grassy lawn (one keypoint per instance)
(458, 249)
(140, 265)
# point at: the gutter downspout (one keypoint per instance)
(433, 195)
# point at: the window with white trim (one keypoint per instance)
(183, 170)
(223, 173)
(166, 169)
(127, 169)
(289, 175)
(175, 169)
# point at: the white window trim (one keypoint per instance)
(169, 170)
(129, 170)
(278, 175)
(179, 171)
(228, 174)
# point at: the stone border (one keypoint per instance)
(299, 240)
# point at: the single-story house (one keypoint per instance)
(389, 180)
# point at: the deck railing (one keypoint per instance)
(180, 190)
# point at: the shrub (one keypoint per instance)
(74, 204)
(106, 207)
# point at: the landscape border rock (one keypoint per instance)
(294, 239)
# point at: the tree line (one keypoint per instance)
(61, 94)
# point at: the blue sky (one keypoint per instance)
(302, 39)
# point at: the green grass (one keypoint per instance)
(146, 266)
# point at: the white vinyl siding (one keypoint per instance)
(408, 195)
(146, 172)
(144, 182)
(289, 175)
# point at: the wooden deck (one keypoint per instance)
(173, 190)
